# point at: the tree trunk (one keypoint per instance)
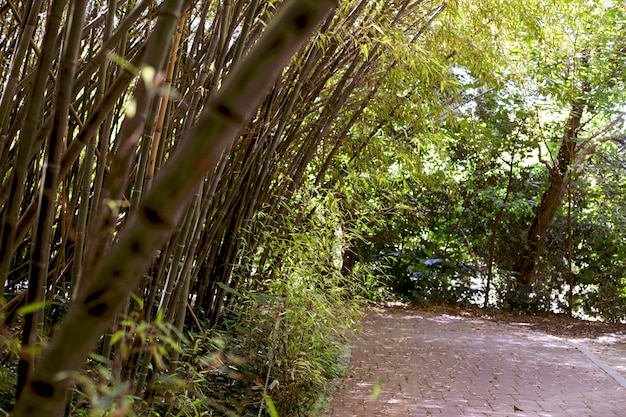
(552, 197)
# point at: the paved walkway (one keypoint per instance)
(408, 363)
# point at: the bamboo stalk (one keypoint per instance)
(167, 87)
(85, 206)
(17, 61)
(37, 282)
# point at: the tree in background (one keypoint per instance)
(580, 76)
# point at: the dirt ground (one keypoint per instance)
(552, 324)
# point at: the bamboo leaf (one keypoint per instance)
(31, 308)
(271, 408)
(138, 300)
(123, 63)
(228, 289)
(117, 336)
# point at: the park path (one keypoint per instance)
(417, 363)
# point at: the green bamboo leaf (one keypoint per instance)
(271, 408)
(138, 300)
(159, 317)
(31, 308)
(364, 50)
(228, 289)
(172, 344)
(376, 390)
(142, 327)
(375, 26)
(122, 62)
(117, 336)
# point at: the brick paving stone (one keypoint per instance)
(409, 363)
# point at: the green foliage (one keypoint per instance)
(7, 388)
(433, 189)
(280, 344)
(106, 396)
(312, 308)
(426, 281)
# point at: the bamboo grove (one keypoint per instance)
(97, 96)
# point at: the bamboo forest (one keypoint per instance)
(199, 200)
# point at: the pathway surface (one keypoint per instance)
(415, 363)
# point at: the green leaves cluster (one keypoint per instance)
(460, 142)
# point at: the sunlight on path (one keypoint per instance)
(408, 363)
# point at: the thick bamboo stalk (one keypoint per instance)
(131, 130)
(49, 183)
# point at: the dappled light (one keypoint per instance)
(434, 362)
